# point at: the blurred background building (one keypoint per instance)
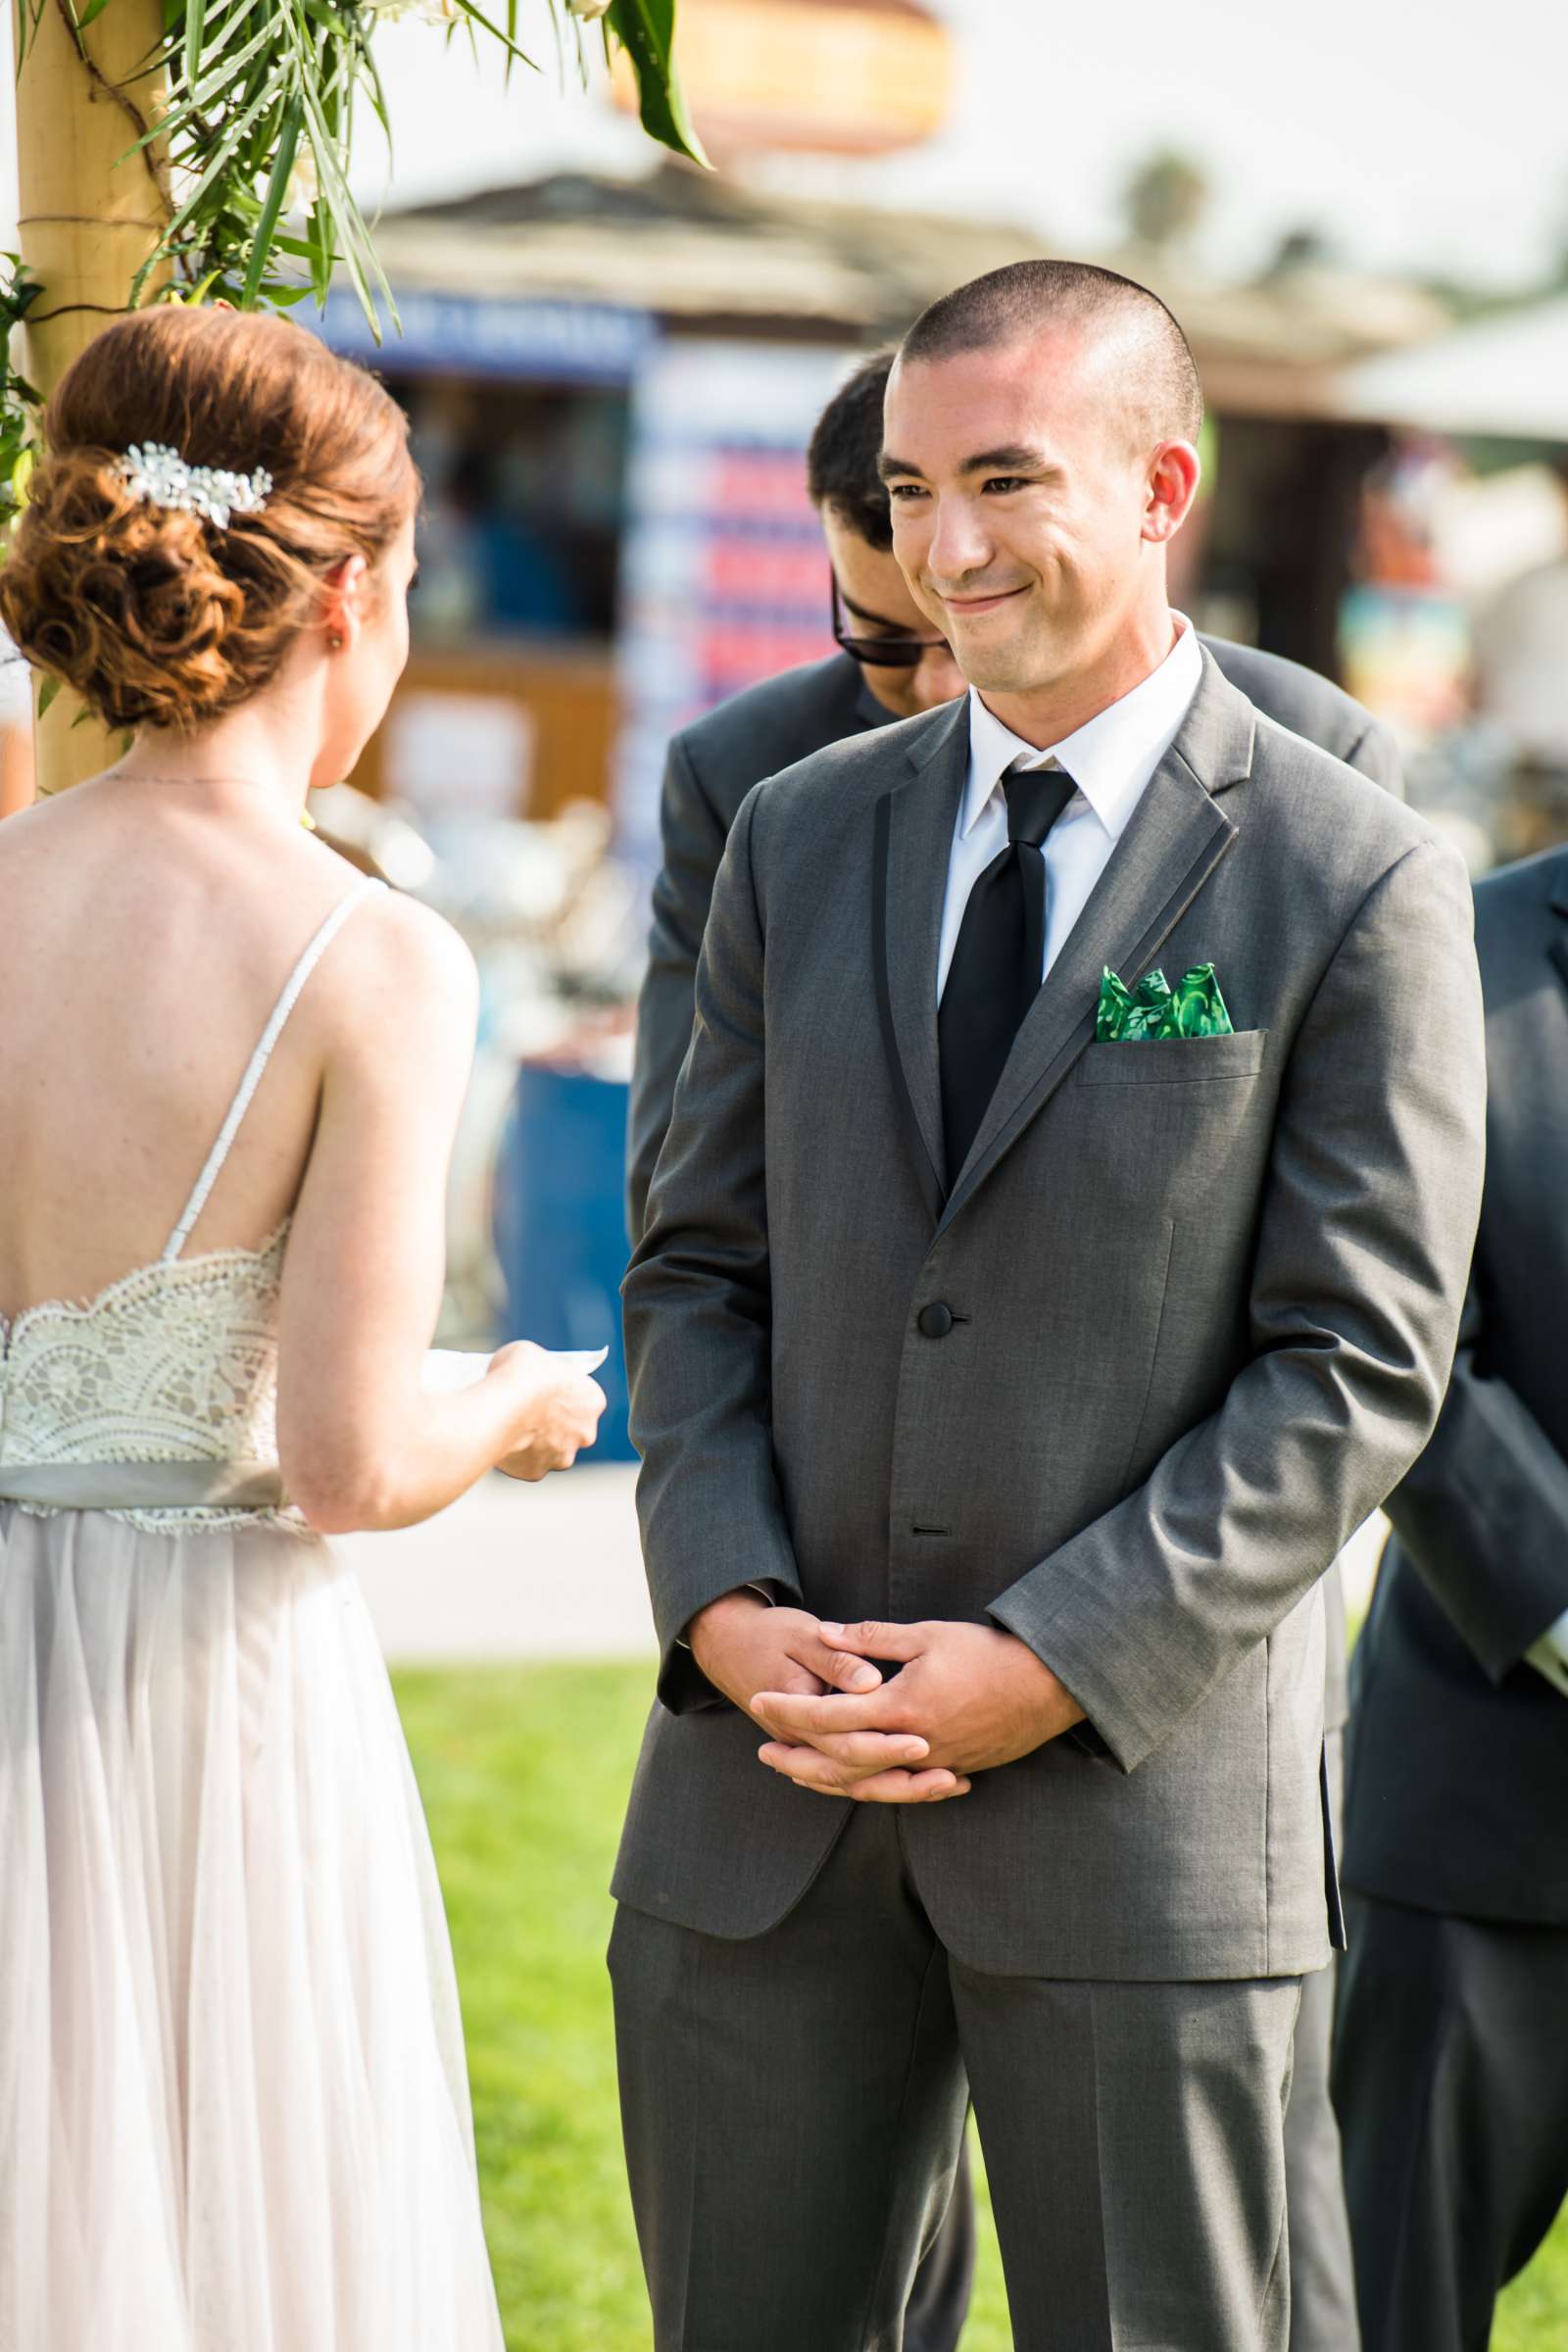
(612, 363)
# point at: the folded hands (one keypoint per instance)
(963, 1698)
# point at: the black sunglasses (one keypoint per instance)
(877, 653)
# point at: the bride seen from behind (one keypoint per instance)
(233, 2109)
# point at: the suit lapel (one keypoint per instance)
(1557, 948)
(915, 825)
(1177, 837)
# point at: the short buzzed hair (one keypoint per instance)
(841, 463)
(1007, 305)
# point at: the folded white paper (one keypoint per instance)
(449, 1368)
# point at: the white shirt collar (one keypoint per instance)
(1111, 756)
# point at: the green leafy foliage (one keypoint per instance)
(264, 101)
(18, 402)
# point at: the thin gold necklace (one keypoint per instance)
(137, 776)
(114, 776)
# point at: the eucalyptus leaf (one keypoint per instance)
(195, 20)
(27, 20)
(353, 244)
(273, 205)
(372, 75)
(221, 75)
(221, 154)
(217, 39)
(645, 31)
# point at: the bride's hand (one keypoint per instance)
(558, 1412)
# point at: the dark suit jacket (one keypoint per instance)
(1459, 1784)
(713, 764)
(711, 767)
(1201, 1300)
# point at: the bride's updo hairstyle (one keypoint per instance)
(156, 615)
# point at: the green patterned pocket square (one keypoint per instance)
(1193, 1007)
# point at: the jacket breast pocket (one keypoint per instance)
(1174, 1060)
(1154, 1121)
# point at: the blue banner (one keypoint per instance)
(457, 334)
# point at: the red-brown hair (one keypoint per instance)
(156, 617)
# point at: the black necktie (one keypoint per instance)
(997, 962)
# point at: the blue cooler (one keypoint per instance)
(560, 1226)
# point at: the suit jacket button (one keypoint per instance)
(935, 1320)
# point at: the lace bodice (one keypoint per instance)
(174, 1363)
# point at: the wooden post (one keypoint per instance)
(89, 221)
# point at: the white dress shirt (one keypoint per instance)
(1550, 1655)
(1112, 760)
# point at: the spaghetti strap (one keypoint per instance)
(268, 1038)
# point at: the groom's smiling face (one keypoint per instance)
(1030, 501)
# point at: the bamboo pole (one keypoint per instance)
(89, 221)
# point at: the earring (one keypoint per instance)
(335, 642)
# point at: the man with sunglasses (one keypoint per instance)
(891, 666)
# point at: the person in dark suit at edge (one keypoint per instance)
(890, 665)
(1451, 2067)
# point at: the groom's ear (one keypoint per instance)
(1173, 476)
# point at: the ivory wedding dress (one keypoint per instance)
(233, 2108)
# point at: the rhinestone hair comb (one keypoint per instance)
(159, 474)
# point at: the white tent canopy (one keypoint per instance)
(1507, 376)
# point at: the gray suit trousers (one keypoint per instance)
(793, 2103)
(1322, 2274)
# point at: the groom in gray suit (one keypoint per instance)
(1004, 1395)
(891, 666)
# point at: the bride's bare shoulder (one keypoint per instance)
(52, 840)
(398, 959)
(264, 889)
(407, 940)
(30, 828)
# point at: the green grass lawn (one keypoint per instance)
(524, 1773)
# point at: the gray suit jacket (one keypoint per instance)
(1204, 1298)
(1458, 1785)
(713, 766)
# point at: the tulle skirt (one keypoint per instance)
(233, 2107)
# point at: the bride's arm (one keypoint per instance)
(361, 1445)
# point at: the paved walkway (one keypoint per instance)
(515, 1571)
(554, 1571)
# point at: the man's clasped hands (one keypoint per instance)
(963, 1700)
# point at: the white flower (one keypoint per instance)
(423, 12)
(303, 185)
(589, 11)
(160, 475)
